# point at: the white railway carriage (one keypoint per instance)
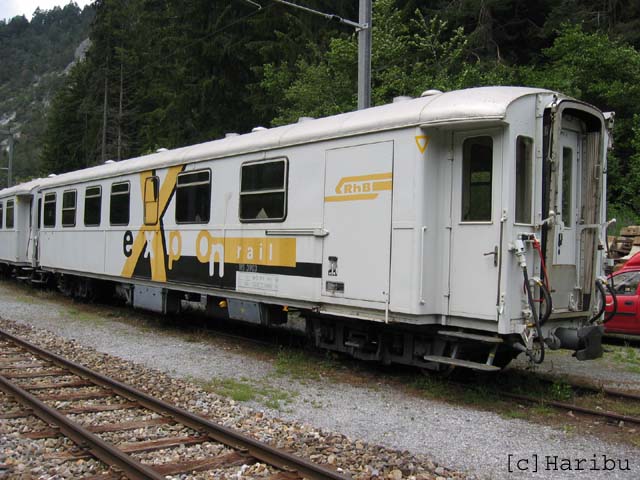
(17, 242)
(401, 232)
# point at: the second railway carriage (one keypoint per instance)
(401, 232)
(17, 240)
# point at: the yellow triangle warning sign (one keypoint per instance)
(422, 141)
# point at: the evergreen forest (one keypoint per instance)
(169, 73)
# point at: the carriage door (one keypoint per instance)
(357, 216)
(565, 253)
(475, 225)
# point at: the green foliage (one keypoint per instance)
(603, 72)
(34, 56)
(168, 73)
(410, 53)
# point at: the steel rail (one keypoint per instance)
(570, 406)
(261, 451)
(109, 454)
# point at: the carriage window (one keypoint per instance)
(69, 208)
(193, 197)
(119, 204)
(567, 185)
(263, 192)
(9, 214)
(50, 210)
(524, 178)
(151, 201)
(1, 214)
(477, 165)
(92, 206)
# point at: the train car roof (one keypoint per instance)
(24, 188)
(474, 104)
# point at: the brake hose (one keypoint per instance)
(537, 319)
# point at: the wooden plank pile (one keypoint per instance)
(626, 245)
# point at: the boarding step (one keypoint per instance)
(470, 336)
(461, 363)
(23, 278)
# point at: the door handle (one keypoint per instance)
(628, 302)
(495, 255)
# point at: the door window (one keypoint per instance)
(524, 179)
(151, 201)
(477, 178)
(567, 185)
(9, 213)
(50, 210)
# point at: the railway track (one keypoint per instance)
(45, 383)
(573, 407)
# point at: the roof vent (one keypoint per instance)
(305, 119)
(160, 150)
(231, 134)
(51, 175)
(430, 93)
(401, 98)
(258, 129)
(109, 161)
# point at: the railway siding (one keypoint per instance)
(338, 452)
(452, 436)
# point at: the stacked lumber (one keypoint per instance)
(626, 245)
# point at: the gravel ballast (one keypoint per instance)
(435, 439)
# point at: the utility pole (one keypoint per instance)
(363, 27)
(364, 56)
(9, 167)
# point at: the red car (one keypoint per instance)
(626, 282)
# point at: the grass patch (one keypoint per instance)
(299, 365)
(244, 390)
(629, 357)
(83, 316)
(516, 414)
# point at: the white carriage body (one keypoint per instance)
(17, 240)
(403, 213)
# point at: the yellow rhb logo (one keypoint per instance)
(362, 187)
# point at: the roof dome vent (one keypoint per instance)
(160, 150)
(109, 161)
(52, 175)
(402, 98)
(258, 129)
(231, 134)
(430, 93)
(305, 119)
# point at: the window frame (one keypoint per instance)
(111, 194)
(12, 208)
(210, 183)
(284, 189)
(44, 209)
(531, 181)
(88, 196)
(1, 214)
(462, 180)
(66, 209)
